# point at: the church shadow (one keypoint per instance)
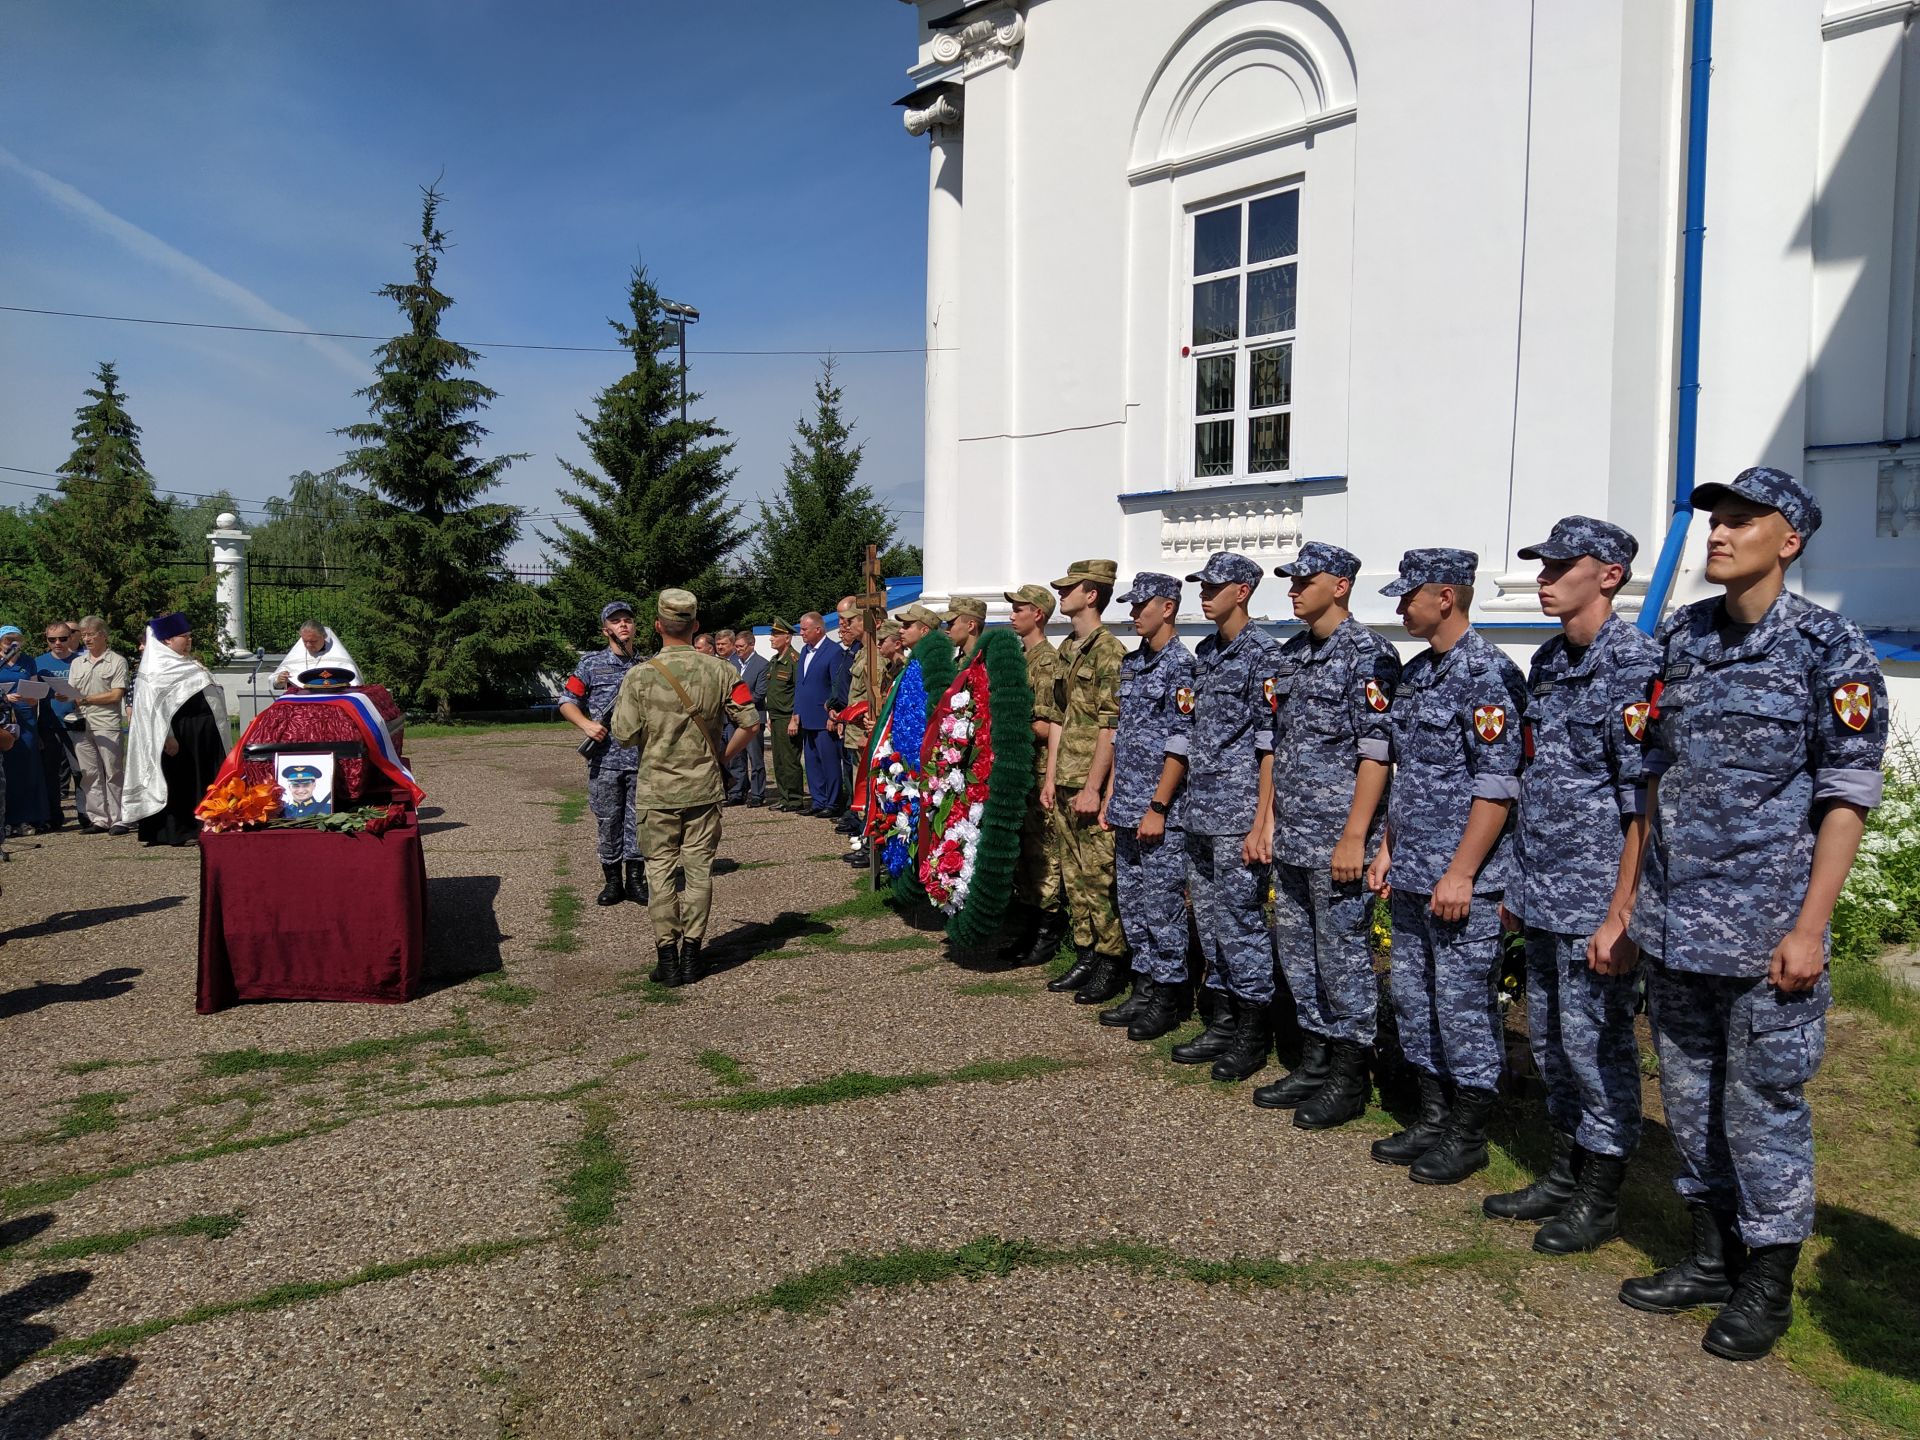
(64, 922)
(463, 936)
(103, 986)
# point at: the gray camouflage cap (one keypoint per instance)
(1223, 567)
(1151, 585)
(1437, 565)
(1579, 535)
(1316, 557)
(1764, 485)
(616, 607)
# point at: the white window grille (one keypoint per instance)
(1245, 281)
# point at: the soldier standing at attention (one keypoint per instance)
(670, 711)
(1086, 697)
(1332, 742)
(1230, 818)
(782, 670)
(916, 623)
(1446, 859)
(1146, 810)
(594, 685)
(965, 622)
(1768, 729)
(1582, 786)
(1037, 889)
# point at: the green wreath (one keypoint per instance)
(1009, 781)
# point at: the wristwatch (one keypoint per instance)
(1157, 807)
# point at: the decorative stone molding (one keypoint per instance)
(1896, 505)
(942, 112)
(1261, 527)
(984, 43)
(1519, 594)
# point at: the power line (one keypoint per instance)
(471, 344)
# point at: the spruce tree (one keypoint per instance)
(119, 553)
(653, 512)
(445, 622)
(813, 536)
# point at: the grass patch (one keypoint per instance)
(115, 1242)
(621, 1062)
(280, 1297)
(300, 1065)
(502, 991)
(864, 904)
(724, 1068)
(94, 1113)
(981, 989)
(599, 1174)
(570, 807)
(860, 1085)
(563, 920)
(649, 992)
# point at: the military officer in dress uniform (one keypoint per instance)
(1041, 923)
(1332, 742)
(782, 670)
(1230, 818)
(1445, 861)
(1080, 756)
(1768, 728)
(586, 704)
(301, 801)
(1582, 786)
(669, 712)
(1146, 810)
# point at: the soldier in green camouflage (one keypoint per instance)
(1041, 921)
(1079, 764)
(670, 710)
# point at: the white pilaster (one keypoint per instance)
(942, 469)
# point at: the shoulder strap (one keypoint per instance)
(686, 700)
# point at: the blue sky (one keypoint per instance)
(260, 164)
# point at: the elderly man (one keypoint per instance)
(316, 646)
(813, 688)
(782, 675)
(99, 676)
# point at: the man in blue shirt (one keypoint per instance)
(57, 719)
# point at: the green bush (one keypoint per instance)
(1880, 904)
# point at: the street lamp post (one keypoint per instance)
(686, 315)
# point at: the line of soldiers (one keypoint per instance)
(1694, 799)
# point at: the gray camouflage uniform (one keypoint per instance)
(1331, 703)
(1151, 878)
(1750, 734)
(1456, 739)
(593, 686)
(1230, 728)
(1585, 727)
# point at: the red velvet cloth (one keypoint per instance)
(358, 933)
(356, 782)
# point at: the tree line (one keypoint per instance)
(429, 606)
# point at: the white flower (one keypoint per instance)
(962, 700)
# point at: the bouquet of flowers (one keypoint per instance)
(235, 805)
(957, 757)
(894, 777)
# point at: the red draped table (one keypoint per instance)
(300, 914)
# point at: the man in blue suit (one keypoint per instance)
(820, 663)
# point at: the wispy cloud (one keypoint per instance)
(151, 248)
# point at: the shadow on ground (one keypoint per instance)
(48, 1407)
(463, 933)
(62, 922)
(104, 986)
(1866, 1298)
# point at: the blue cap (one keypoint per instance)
(309, 773)
(325, 677)
(1316, 557)
(1579, 535)
(1765, 485)
(1223, 567)
(169, 624)
(1437, 566)
(11, 630)
(1151, 585)
(616, 607)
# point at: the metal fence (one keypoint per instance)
(280, 597)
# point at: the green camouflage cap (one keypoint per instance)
(677, 605)
(1089, 572)
(967, 605)
(1037, 596)
(889, 627)
(917, 614)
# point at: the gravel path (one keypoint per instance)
(546, 1199)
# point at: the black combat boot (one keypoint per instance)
(1109, 977)
(1703, 1277)
(1046, 939)
(1166, 1009)
(1022, 927)
(1252, 1043)
(1462, 1146)
(1123, 1013)
(636, 890)
(615, 890)
(1411, 1143)
(1077, 972)
(1592, 1216)
(690, 967)
(1301, 1081)
(1214, 1041)
(1546, 1196)
(667, 972)
(1756, 1317)
(1344, 1096)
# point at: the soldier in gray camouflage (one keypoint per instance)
(1332, 743)
(1146, 810)
(586, 702)
(1230, 818)
(1767, 731)
(1446, 859)
(1581, 788)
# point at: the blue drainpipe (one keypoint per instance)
(1687, 426)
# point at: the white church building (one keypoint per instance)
(1232, 274)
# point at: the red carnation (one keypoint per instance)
(977, 792)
